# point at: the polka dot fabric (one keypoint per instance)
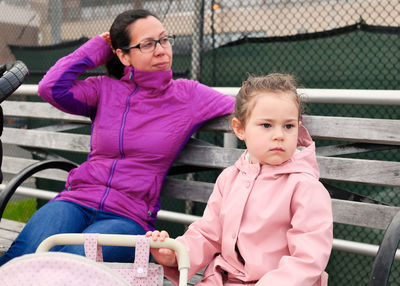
(65, 269)
(59, 269)
(140, 273)
(93, 250)
(140, 267)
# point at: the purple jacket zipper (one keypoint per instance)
(121, 149)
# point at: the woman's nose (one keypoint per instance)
(159, 49)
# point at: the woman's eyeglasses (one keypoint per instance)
(150, 45)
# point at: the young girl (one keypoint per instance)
(269, 219)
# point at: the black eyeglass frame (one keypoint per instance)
(154, 46)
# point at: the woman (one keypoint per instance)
(141, 118)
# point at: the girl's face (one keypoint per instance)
(149, 28)
(272, 128)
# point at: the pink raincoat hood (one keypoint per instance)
(303, 161)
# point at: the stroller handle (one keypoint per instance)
(118, 240)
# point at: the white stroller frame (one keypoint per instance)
(121, 240)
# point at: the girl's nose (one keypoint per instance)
(278, 134)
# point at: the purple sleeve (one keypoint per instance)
(207, 103)
(60, 86)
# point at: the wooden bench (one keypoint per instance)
(345, 136)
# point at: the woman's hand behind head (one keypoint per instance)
(106, 37)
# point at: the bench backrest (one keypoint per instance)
(359, 134)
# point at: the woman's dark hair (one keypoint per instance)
(120, 37)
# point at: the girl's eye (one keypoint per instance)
(266, 125)
(289, 126)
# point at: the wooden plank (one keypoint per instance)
(353, 148)
(39, 110)
(11, 225)
(322, 127)
(4, 244)
(187, 190)
(327, 127)
(220, 124)
(383, 173)
(61, 127)
(9, 230)
(47, 139)
(208, 156)
(367, 130)
(363, 214)
(13, 165)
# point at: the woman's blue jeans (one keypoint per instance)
(67, 217)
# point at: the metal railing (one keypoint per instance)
(310, 95)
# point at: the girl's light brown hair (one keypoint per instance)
(253, 86)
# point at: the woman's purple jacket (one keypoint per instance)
(139, 125)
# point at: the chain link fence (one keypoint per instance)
(350, 44)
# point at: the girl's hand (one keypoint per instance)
(164, 256)
(106, 37)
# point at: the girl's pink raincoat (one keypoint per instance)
(264, 225)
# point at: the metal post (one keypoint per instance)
(55, 20)
(230, 140)
(197, 39)
(214, 55)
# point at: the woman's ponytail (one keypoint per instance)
(115, 68)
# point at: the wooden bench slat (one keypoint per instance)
(383, 173)
(363, 214)
(187, 190)
(208, 156)
(13, 165)
(9, 230)
(367, 130)
(46, 139)
(354, 148)
(382, 131)
(39, 110)
(10, 225)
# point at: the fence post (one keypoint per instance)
(197, 39)
(55, 21)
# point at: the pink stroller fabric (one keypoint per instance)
(56, 268)
(140, 273)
